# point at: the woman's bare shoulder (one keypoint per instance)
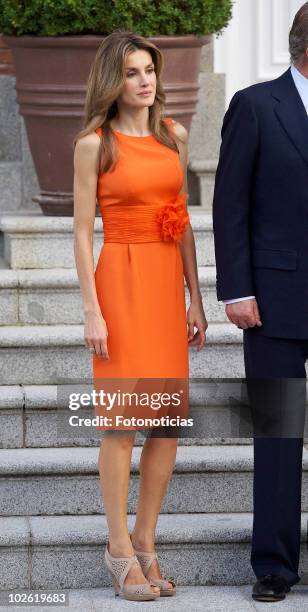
(180, 131)
(86, 152)
(89, 142)
(87, 147)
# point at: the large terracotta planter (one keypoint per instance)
(51, 76)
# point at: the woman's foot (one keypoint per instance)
(135, 574)
(148, 546)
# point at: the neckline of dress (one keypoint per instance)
(132, 135)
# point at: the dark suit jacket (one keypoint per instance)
(260, 208)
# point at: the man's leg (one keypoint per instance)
(277, 460)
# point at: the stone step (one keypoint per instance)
(31, 416)
(66, 481)
(52, 297)
(67, 551)
(49, 354)
(47, 242)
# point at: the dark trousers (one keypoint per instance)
(277, 460)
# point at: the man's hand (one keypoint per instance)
(244, 314)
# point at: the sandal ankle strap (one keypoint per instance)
(146, 559)
(120, 566)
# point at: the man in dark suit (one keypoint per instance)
(260, 215)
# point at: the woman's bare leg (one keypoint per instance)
(114, 469)
(156, 466)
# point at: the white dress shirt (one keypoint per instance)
(301, 84)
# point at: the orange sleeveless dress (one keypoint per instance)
(139, 274)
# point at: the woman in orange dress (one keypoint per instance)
(134, 161)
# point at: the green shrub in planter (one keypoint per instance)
(145, 17)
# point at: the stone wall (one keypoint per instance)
(205, 132)
(17, 175)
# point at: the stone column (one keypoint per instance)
(205, 132)
(17, 174)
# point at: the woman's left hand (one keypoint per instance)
(196, 318)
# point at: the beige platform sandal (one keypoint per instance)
(119, 568)
(146, 559)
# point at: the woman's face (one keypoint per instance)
(140, 80)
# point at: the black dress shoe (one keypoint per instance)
(271, 587)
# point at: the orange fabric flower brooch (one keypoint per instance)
(173, 219)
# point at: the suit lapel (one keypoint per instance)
(291, 112)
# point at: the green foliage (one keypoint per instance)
(145, 17)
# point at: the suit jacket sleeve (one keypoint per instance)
(232, 199)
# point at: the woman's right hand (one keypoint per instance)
(95, 334)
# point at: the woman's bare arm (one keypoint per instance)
(86, 165)
(195, 315)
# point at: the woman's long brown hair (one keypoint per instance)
(105, 82)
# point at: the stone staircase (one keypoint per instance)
(40, 305)
(52, 523)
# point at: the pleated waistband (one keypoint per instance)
(131, 223)
(145, 223)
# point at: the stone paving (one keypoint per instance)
(197, 599)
